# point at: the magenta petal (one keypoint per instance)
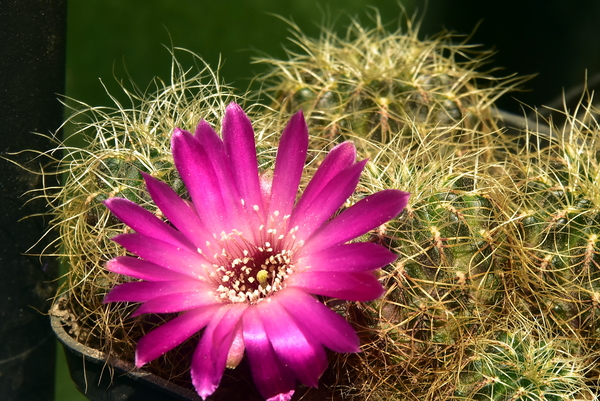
(326, 326)
(238, 137)
(205, 133)
(200, 178)
(177, 302)
(354, 257)
(210, 358)
(179, 259)
(169, 335)
(236, 352)
(271, 377)
(213, 145)
(144, 222)
(208, 139)
(328, 201)
(142, 269)
(365, 215)
(304, 356)
(337, 160)
(289, 164)
(282, 397)
(179, 212)
(360, 286)
(141, 291)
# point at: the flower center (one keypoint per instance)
(251, 270)
(253, 277)
(246, 272)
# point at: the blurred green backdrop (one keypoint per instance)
(110, 39)
(105, 36)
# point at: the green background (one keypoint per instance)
(120, 39)
(110, 39)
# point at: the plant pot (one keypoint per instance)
(104, 378)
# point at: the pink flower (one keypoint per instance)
(245, 259)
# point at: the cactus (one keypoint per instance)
(451, 265)
(376, 86)
(452, 278)
(558, 209)
(483, 238)
(518, 363)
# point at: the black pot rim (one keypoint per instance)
(122, 369)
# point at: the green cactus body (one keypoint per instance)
(448, 283)
(518, 365)
(561, 233)
(375, 86)
(450, 271)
